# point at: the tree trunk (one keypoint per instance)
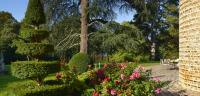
(84, 26)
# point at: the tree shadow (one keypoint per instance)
(168, 93)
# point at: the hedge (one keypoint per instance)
(31, 89)
(34, 49)
(33, 35)
(33, 69)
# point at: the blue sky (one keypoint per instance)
(18, 8)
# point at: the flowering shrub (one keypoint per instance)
(123, 80)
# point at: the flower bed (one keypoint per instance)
(120, 80)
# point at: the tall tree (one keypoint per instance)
(169, 36)
(31, 43)
(90, 12)
(9, 28)
(84, 26)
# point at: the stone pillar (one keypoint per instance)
(189, 44)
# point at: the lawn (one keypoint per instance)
(6, 78)
(149, 64)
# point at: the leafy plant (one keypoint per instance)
(30, 43)
(79, 63)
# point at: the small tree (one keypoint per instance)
(31, 44)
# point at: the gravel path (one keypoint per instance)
(166, 73)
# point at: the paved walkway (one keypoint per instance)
(165, 73)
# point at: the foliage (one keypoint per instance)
(65, 36)
(33, 35)
(169, 38)
(79, 63)
(52, 88)
(30, 43)
(158, 21)
(9, 28)
(34, 49)
(34, 14)
(114, 37)
(122, 80)
(33, 69)
(121, 56)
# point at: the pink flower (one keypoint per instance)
(122, 66)
(134, 75)
(158, 90)
(156, 79)
(105, 65)
(106, 79)
(122, 76)
(117, 82)
(113, 92)
(95, 93)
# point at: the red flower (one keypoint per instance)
(95, 93)
(100, 73)
(106, 79)
(117, 82)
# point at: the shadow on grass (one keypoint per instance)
(6, 78)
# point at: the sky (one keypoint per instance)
(18, 8)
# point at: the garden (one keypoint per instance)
(76, 48)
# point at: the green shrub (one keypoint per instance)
(79, 63)
(141, 58)
(35, 13)
(123, 80)
(31, 43)
(34, 49)
(33, 35)
(33, 69)
(55, 88)
(122, 57)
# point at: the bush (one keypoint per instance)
(33, 69)
(122, 57)
(56, 88)
(32, 34)
(79, 63)
(122, 80)
(34, 49)
(142, 58)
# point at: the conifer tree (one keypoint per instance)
(31, 44)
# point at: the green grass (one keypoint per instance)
(6, 78)
(149, 64)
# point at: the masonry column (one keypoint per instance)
(189, 44)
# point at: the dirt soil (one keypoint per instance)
(168, 73)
